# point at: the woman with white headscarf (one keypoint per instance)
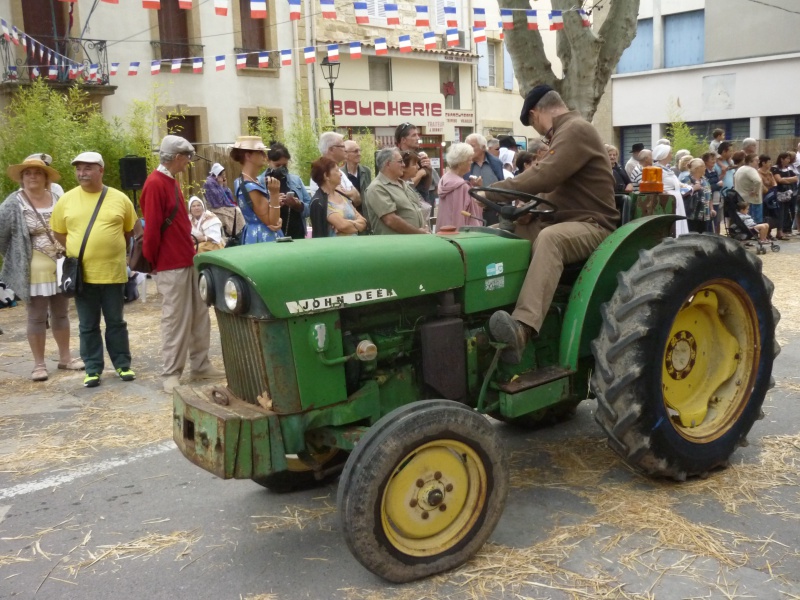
(662, 154)
(206, 227)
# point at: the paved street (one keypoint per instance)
(95, 502)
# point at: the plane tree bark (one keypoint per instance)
(588, 57)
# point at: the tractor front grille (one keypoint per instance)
(243, 356)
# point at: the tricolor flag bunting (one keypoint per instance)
(286, 58)
(422, 16)
(533, 21)
(478, 34)
(362, 15)
(151, 4)
(219, 61)
(15, 35)
(500, 27)
(73, 71)
(197, 65)
(110, 1)
(355, 49)
(176, 65)
(185, 4)
(5, 30)
(479, 18)
(333, 53)
(92, 72)
(404, 41)
(429, 38)
(507, 18)
(12, 72)
(258, 9)
(556, 20)
(52, 73)
(155, 67)
(328, 9)
(392, 16)
(380, 46)
(452, 37)
(584, 18)
(114, 69)
(24, 39)
(241, 61)
(221, 8)
(263, 59)
(35, 72)
(450, 16)
(310, 54)
(294, 10)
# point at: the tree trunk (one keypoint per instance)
(588, 59)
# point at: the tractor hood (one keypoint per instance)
(306, 276)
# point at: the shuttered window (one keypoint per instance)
(628, 136)
(438, 18)
(483, 64)
(375, 8)
(492, 64)
(254, 37)
(173, 30)
(639, 55)
(380, 73)
(508, 70)
(46, 21)
(684, 39)
(786, 126)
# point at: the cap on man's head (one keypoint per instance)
(216, 169)
(89, 158)
(175, 144)
(531, 100)
(45, 158)
(637, 148)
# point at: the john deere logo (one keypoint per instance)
(681, 355)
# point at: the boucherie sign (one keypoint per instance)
(384, 109)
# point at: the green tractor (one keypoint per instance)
(369, 359)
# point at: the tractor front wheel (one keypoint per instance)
(423, 490)
(684, 357)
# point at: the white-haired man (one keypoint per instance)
(331, 145)
(749, 146)
(487, 167)
(392, 204)
(167, 245)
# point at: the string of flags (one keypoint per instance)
(54, 61)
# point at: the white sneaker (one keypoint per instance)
(171, 382)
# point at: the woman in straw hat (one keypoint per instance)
(260, 206)
(30, 252)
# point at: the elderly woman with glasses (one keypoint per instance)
(30, 253)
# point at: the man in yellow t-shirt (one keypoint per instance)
(104, 267)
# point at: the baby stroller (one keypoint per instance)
(737, 229)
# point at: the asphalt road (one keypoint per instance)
(96, 503)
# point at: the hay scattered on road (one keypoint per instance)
(294, 516)
(781, 269)
(12, 559)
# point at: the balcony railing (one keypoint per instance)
(252, 57)
(19, 65)
(169, 51)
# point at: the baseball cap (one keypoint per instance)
(90, 158)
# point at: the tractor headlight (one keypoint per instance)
(206, 287)
(235, 293)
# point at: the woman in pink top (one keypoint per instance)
(454, 190)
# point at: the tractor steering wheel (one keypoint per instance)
(510, 212)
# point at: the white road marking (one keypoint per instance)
(83, 471)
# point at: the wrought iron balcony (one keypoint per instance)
(19, 65)
(252, 57)
(169, 51)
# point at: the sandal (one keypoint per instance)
(39, 373)
(76, 364)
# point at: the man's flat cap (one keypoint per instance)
(531, 100)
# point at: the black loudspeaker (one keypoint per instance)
(132, 172)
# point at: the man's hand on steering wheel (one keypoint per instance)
(533, 205)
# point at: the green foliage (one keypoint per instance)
(265, 127)
(369, 147)
(682, 137)
(302, 139)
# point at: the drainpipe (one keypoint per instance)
(473, 70)
(311, 40)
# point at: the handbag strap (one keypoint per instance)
(91, 223)
(171, 218)
(41, 219)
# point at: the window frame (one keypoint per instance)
(373, 61)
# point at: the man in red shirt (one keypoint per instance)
(167, 244)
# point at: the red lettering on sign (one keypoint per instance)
(392, 109)
(419, 109)
(405, 109)
(436, 110)
(350, 108)
(337, 107)
(379, 108)
(365, 109)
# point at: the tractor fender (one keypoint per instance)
(598, 280)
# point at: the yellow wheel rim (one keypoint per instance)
(710, 361)
(433, 498)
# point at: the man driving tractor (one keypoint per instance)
(576, 176)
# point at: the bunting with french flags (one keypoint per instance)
(310, 54)
(286, 58)
(6, 33)
(479, 17)
(450, 16)
(263, 60)
(197, 65)
(328, 9)
(500, 34)
(241, 61)
(452, 37)
(93, 72)
(584, 18)
(556, 20)
(111, 1)
(258, 9)
(155, 67)
(380, 46)
(114, 68)
(422, 16)
(151, 4)
(294, 10)
(133, 68)
(361, 12)
(429, 39)
(35, 72)
(221, 8)
(479, 34)
(52, 73)
(176, 65)
(507, 18)
(404, 42)
(185, 4)
(15, 35)
(355, 49)
(333, 52)
(219, 62)
(392, 16)
(533, 21)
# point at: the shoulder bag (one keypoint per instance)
(136, 261)
(72, 271)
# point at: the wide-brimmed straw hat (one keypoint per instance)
(250, 142)
(15, 171)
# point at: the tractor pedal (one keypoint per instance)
(535, 378)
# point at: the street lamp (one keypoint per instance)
(330, 71)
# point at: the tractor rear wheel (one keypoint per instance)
(301, 476)
(423, 490)
(684, 357)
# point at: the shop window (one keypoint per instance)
(380, 74)
(448, 79)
